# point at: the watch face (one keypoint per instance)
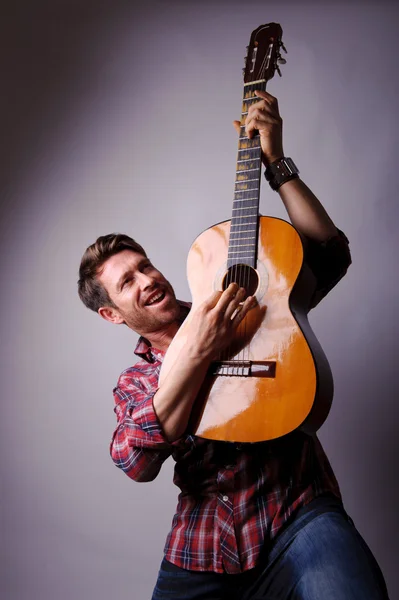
(281, 171)
(286, 167)
(291, 165)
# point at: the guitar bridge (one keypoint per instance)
(243, 368)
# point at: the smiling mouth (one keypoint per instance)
(156, 299)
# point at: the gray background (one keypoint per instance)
(117, 117)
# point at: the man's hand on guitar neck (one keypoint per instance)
(264, 117)
(305, 211)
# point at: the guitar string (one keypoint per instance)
(238, 270)
(241, 220)
(247, 269)
(257, 227)
(232, 270)
(256, 155)
(237, 223)
(239, 229)
(244, 270)
(258, 232)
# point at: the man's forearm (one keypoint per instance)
(306, 212)
(175, 398)
(212, 327)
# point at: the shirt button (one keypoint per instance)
(225, 498)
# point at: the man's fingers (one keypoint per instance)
(267, 97)
(249, 303)
(237, 126)
(263, 109)
(261, 122)
(235, 304)
(230, 304)
(221, 300)
(227, 296)
(212, 301)
(262, 115)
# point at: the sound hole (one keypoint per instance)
(245, 276)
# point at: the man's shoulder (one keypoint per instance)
(137, 374)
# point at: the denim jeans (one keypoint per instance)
(319, 556)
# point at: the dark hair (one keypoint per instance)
(91, 291)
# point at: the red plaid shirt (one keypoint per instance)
(235, 498)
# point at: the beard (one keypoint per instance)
(148, 319)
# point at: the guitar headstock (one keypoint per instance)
(263, 56)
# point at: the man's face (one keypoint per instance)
(145, 300)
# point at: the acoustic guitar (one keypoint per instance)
(274, 378)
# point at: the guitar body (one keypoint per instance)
(295, 387)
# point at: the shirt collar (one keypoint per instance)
(144, 349)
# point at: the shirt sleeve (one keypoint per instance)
(329, 261)
(138, 445)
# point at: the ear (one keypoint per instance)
(110, 314)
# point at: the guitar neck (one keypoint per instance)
(244, 220)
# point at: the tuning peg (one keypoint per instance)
(278, 70)
(281, 60)
(283, 47)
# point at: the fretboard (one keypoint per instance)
(243, 240)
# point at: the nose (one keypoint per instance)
(144, 281)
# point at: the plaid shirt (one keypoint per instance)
(235, 498)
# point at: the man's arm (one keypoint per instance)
(326, 247)
(305, 211)
(138, 445)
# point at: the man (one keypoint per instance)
(253, 521)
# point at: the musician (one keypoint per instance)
(253, 521)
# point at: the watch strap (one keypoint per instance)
(281, 170)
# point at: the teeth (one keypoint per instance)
(157, 297)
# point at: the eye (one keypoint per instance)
(127, 281)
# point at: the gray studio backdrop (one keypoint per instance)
(117, 117)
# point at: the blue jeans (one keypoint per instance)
(319, 556)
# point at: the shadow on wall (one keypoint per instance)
(366, 422)
(41, 63)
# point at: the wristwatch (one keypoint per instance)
(280, 171)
